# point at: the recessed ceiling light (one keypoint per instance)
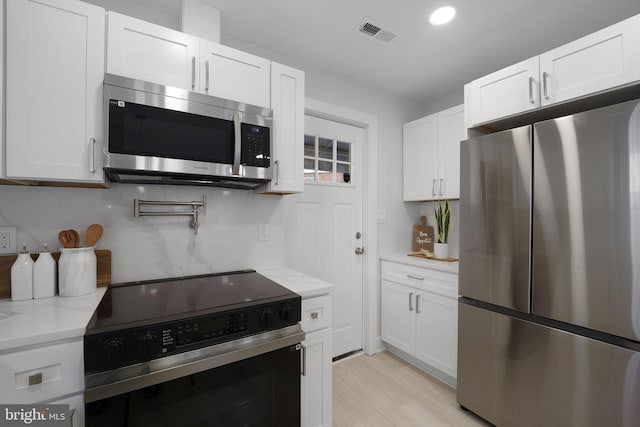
(442, 15)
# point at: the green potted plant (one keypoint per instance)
(443, 222)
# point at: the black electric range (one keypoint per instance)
(141, 321)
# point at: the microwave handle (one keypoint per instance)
(237, 143)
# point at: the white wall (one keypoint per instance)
(152, 247)
(391, 111)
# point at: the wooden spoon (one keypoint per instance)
(94, 233)
(75, 238)
(63, 238)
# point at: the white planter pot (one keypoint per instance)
(441, 250)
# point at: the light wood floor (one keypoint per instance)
(383, 390)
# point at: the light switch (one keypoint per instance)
(382, 216)
(263, 232)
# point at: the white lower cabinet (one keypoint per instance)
(419, 316)
(316, 383)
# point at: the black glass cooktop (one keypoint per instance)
(133, 304)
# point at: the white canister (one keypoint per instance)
(22, 276)
(77, 271)
(44, 275)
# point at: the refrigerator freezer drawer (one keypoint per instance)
(516, 373)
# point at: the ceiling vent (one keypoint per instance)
(375, 31)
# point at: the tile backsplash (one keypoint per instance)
(152, 247)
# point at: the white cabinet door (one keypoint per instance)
(451, 131)
(287, 139)
(145, 51)
(599, 61)
(420, 159)
(512, 90)
(437, 331)
(232, 74)
(316, 381)
(397, 316)
(55, 68)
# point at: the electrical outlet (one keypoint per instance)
(8, 240)
(263, 232)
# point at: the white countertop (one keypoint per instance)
(449, 267)
(300, 283)
(38, 321)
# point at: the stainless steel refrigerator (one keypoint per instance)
(549, 318)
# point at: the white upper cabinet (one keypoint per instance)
(420, 158)
(604, 60)
(54, 72)
(451, 131)
(232, 74)
(145, 51)
(150, 52)
(597, 62)
(287, 138)
(431, 156)
(509, 91)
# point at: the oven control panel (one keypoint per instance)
(111, 350)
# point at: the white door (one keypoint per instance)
(451, 131)
(420, 159)
(324, 223)
(397, 315)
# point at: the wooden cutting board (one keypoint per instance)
(420, 255)
(103, 259)
(423, 236)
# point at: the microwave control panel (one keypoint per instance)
(256, 150)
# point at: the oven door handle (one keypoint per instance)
(129, 378)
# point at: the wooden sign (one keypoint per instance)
(423, 236)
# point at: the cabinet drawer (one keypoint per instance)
(316, 313)
(438, 282)
(53, 371)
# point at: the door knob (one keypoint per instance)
(359, 251)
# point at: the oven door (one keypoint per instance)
(230, 384)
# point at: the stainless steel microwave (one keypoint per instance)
(164, 135)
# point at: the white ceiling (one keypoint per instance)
(424, 62)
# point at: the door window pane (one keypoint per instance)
(343, 175)
(310, 145)
(325, 171)
(325, 148)
(309, 170)
(344, 151)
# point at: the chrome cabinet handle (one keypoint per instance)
(303, 371)
(418, 304)
(433, 188)
(410, 298)
(531, 100)
(545, 75)
(206, 84)
(92, 153)
(238, 143)
(410, 276)
(193, 73)
(277, 162)
(35, 378)
(441, 182)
